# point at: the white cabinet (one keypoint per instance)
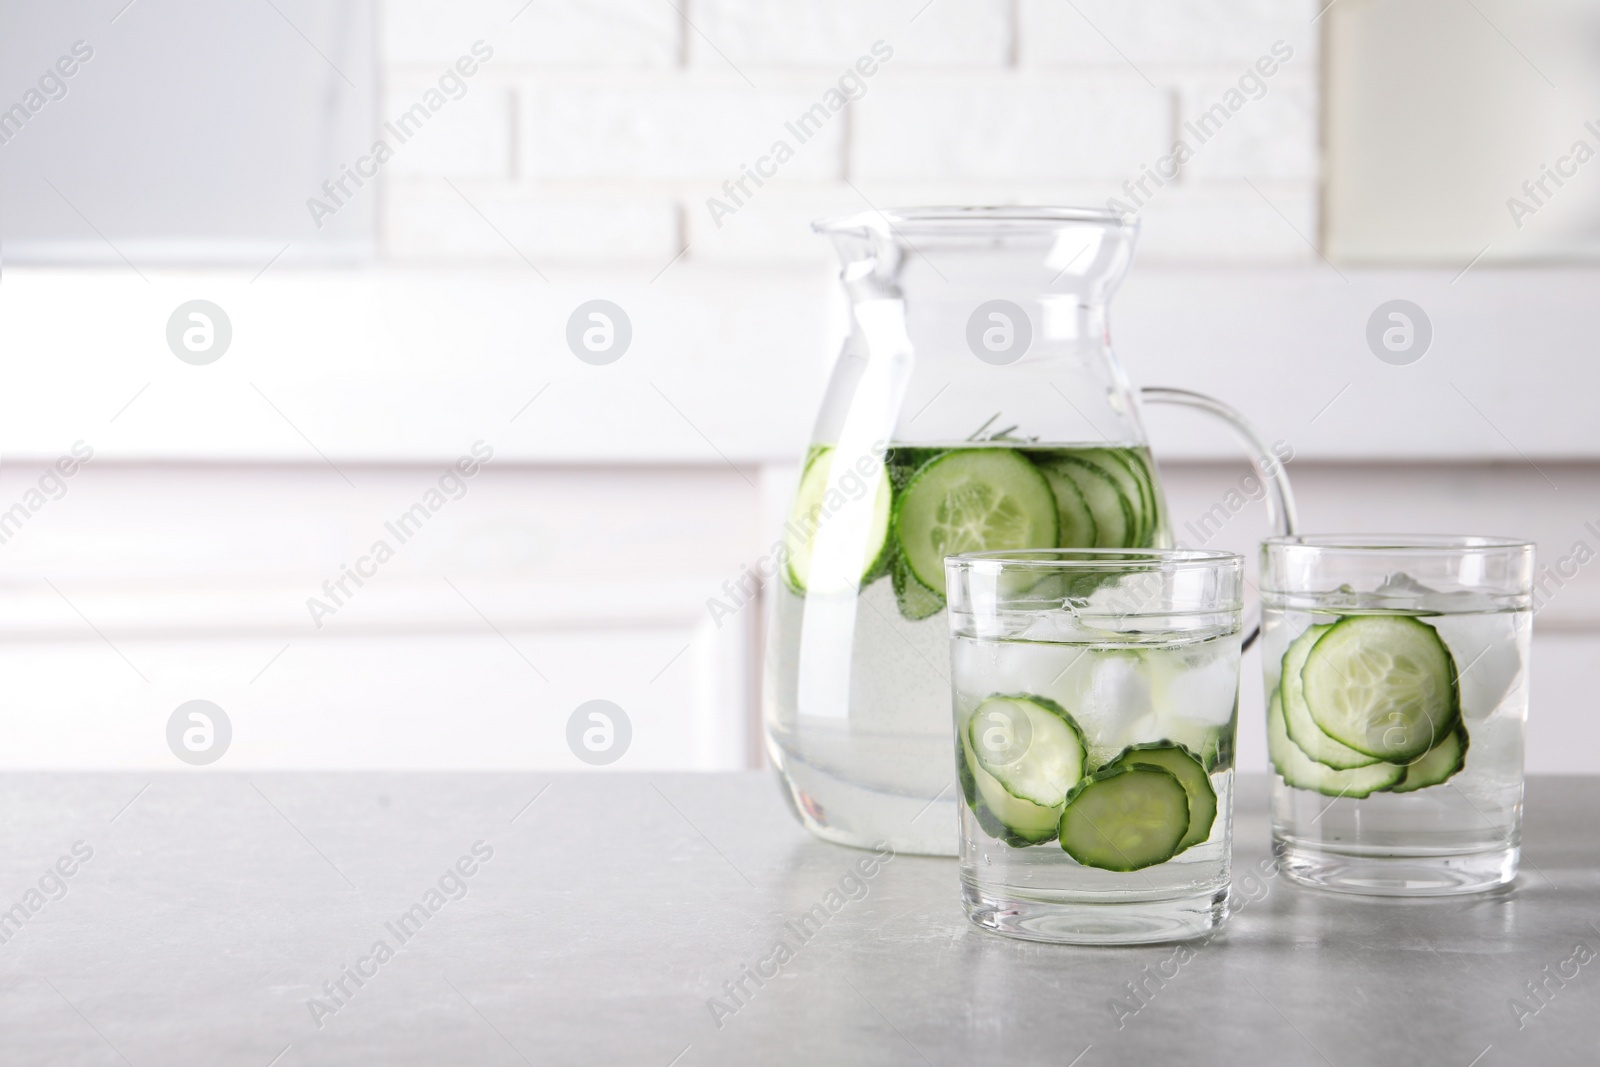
(144, 587)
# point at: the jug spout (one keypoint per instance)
(1080, 254)
(1006, 317)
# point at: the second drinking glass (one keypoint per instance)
(1397, 697)
(1095, 698)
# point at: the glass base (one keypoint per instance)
(1082, 922)
(848, 814)
(1392, 874)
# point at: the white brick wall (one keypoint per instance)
(698, 129)
(1153, 33)
(430, 220)
(1007, 128)
(464, 138)
(600, 127)
(1273, 137)
(833, 33)
(553, 33)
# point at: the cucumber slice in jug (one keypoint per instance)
(1436, 765)
(1130, 484)
(1303, 731)
(1077, 526)
(1188, 769)
(1302, 772)
(1113, 514)
(1030, 745)
(812, 510)
(904, 461)
(916, 600)
(972, 500)
(1003, 817)
(1143, 468)
(1125, 818)
(1382, 684)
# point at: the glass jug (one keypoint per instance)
(976, 405)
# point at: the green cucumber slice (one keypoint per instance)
(810, 513)
(1190, 772)
(1030, 745)
(1302, 772)
(1077, 526)
(1436, 765)
(1382, 684)
(1303, 731)
(980, 811)
(1142, 467)
(1131, 485)
(916, 600)
(1125, 818)
(972, 500)
(1003, 817)
(1113, 514)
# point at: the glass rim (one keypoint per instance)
(1436, 544)
(955, 219)
(1097, 558)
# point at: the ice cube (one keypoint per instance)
(1121, 686)
(1463, 601)
(1401, 585)
(1198, 686)
(1488, 658)
(1115, 696)
(1042, 668)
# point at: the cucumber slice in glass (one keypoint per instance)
(1303, 731)
(1077, 524)
(1190, 772)
(1125, 818)
(1302, 772)
(1384, 685)
(1113, 514)
(1030, 745)
(972, 500)
(811, 511)
(1436, 765)
(1003, 817)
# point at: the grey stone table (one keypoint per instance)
(290, 919)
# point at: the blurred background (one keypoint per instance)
(278, 274)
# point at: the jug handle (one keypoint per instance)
(1280, 498)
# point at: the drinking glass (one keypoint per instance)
(1095, 694)
(1396, 670)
